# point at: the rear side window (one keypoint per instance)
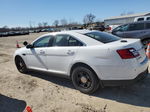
(61, 40)
(140, 19)
(102, 37)
(66, 40)
(74, 42)
(148, 18)
(147, 25)
(138, 26)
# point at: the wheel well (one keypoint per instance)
(17, 57)
(80, 64)
(85, 65)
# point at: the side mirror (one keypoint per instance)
(25, 43)
(29, 46)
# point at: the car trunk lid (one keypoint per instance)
(131, 43)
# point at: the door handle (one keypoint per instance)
(23, 54)
(42, 52)
(69, 52)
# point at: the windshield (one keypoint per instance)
(102, 37)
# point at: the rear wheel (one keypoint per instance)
(85, 80)
(20, 64)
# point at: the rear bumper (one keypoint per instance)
(125, 82)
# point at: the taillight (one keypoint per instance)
(128, 53)
(109, 28)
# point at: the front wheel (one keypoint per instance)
(85, 80)
(20, 64)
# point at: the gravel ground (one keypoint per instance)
(47, 93)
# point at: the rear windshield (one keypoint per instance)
(102, 37)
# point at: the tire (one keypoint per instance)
(85, 80)
(20, 64)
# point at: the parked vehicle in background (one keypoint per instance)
(47, 30)
(112, 27)
(142, 18)
(138, 30)
(99, 28)
(13, 33)
(3, 34)
(92, 59)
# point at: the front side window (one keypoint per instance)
(66, 40)
(122, 28)
(118, 28)
(42, 42)
(102, 37)
(125, 28)
(137, 26)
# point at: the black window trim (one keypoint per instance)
(70, 36)
(99, 40)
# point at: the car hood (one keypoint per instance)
(124, 43)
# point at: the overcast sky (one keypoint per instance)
(25, 12)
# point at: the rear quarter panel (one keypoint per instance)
(93, 56)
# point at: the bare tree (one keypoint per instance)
(40, 25)
(63, 22)
(45, 24)
(89, 18)
(55, 23)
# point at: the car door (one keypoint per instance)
(62, 53)
(135, 30)
(36, 56)
(147, 30)
(119, 31)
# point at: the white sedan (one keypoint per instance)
(92, 59)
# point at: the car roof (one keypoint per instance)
(70, 32)
(147, 21)
(78, 34)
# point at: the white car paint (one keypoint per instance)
(102, 58)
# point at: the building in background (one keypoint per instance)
(119, 20)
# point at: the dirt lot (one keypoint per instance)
(46, 93)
